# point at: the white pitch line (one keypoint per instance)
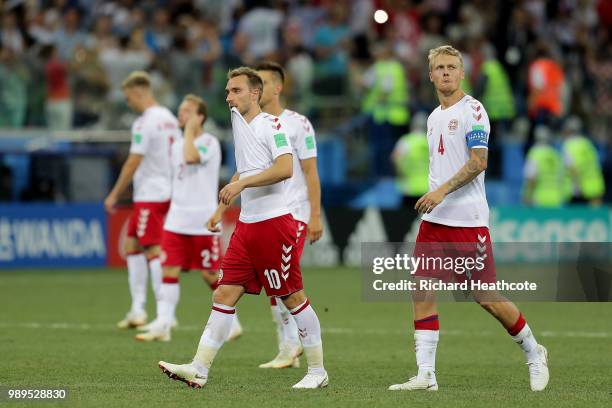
(326, 330)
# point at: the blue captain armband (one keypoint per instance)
(476, 138)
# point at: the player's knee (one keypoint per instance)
(152, 251)
(294, 300)
(131, 246)
(219, 296)
(226, 295)
(171, 272)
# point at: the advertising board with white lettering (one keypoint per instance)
(52, 235)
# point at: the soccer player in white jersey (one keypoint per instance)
(148, 166)
(304, 191)
(187, 243)
(265, 237)
(455, 211)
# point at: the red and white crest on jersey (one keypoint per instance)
(453, 124)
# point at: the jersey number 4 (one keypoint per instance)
(441, 145)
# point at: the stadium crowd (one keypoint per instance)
(530, 62)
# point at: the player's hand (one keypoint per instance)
(109, 203)
(192, 124)
(429, 201)
(227, 193)
(315, 229)
(214, 223)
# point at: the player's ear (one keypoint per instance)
(430, 76)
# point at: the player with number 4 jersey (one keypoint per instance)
(455, 222)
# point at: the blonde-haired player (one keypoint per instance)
(456, 217)
(148, 167)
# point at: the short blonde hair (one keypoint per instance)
(137, 79)
(199, 102)
(253, 78)
(443, 50)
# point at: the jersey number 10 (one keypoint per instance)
(273, 278)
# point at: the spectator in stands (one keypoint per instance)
(163, 89)
(518, 37)
(492, 87)
(299, 68)
(159, 35)
(90, 85)
(258, 33)
(544, 173)
(220, 11)
(411, 159)
(582, 164)
(405, 31)
(599, 65)
(36, 92)
(331, 46)
(386, 104)
(69, 34)
(547, 88)
(185, 67)
(58, 103)
(13, 81)
(131, 55)
(42, 26)
(208, 48)
(307, 16)
(431, 37)
(102, 37)
(10, 34)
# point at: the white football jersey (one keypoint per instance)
(195, 187)
(451, 133)
(302, 137)
(257, 145)
(152, 136)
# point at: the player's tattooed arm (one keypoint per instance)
(475, 165)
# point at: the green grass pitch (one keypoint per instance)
(57, 329)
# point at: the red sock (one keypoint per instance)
(428, 323)
(518, 326)
(169, 280)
